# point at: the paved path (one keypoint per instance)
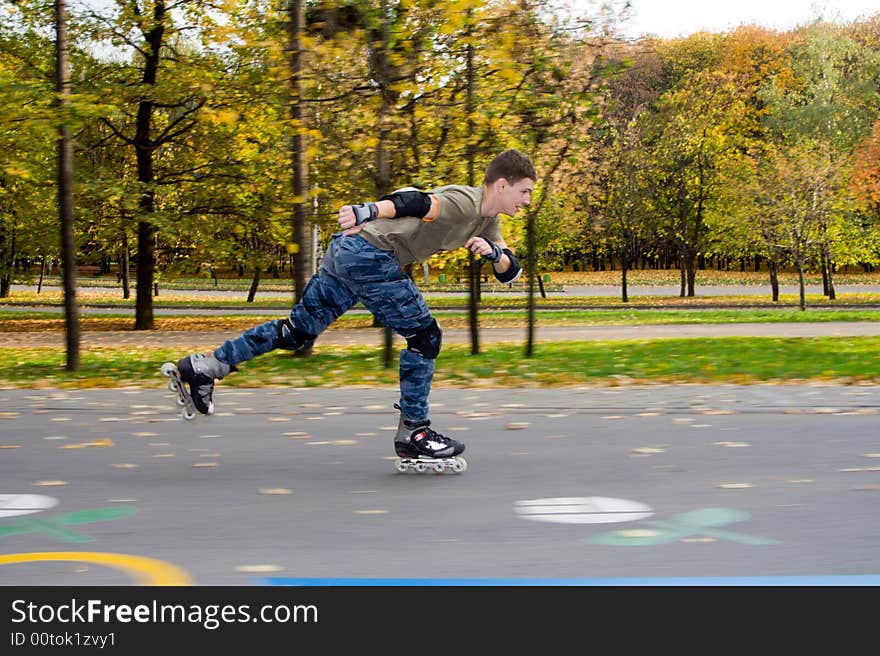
(208, 339)
(639, 482)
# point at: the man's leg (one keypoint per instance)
(417, 369)
(324, 299)
(399, 305)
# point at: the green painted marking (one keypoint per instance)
(56, 526)
(703, 522)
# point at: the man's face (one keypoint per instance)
(512, 197)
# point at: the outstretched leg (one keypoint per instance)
(324, 299)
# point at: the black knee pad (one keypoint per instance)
(292, 339)
(426, 342)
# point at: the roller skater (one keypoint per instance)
(363, 263)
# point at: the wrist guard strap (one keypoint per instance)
(496, 254)
(365, 212)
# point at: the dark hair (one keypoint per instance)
(512, 165)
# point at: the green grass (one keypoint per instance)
(33, 321)
(717, 360)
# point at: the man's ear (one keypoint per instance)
(500, 184)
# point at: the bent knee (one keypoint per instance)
(291, 338)
(427, 341)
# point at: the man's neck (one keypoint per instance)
(487, 205)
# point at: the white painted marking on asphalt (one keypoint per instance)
(582, 510)
(12, 505)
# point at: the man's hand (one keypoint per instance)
(351, 217)
(348, 221)
(488, 249)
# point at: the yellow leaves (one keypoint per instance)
(220, 116)
(292, 248)
(510, 75)
(223, 33)
(15, 171)
(227, 117)
(359, 145)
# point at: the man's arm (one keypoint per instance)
(404, 202)
(507, 267)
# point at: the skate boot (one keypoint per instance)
(421, 449)
(193, 379)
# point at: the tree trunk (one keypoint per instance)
(381, 73)
(126, 283)
(773, 267)
(681, 269)
(474, 264)
(691, 271)
(255, 282)
(830, 291)
(144, 146)
(65, 191)
(7, 258)
(473, 301)
(301, 232)
(623, 271)
(146, 236)
(800, 268)
(531, 257)
(42, 268)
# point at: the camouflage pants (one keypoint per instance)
(352, 270)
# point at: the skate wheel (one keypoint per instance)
(168, 369)
(180, 402)
(172, 385)
(438, 467)
(188, 414)
(421, 467)
(459, 466)
(401, 466)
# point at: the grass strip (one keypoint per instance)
(488, 301)
(743, 360)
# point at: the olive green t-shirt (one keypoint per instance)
(415, 240)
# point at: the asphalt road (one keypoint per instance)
(624, 484)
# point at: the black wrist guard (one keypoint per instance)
(365, 212)
(496, 254)
(513, 272)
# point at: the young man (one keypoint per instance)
(364, 263)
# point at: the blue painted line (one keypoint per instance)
(831, 580)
